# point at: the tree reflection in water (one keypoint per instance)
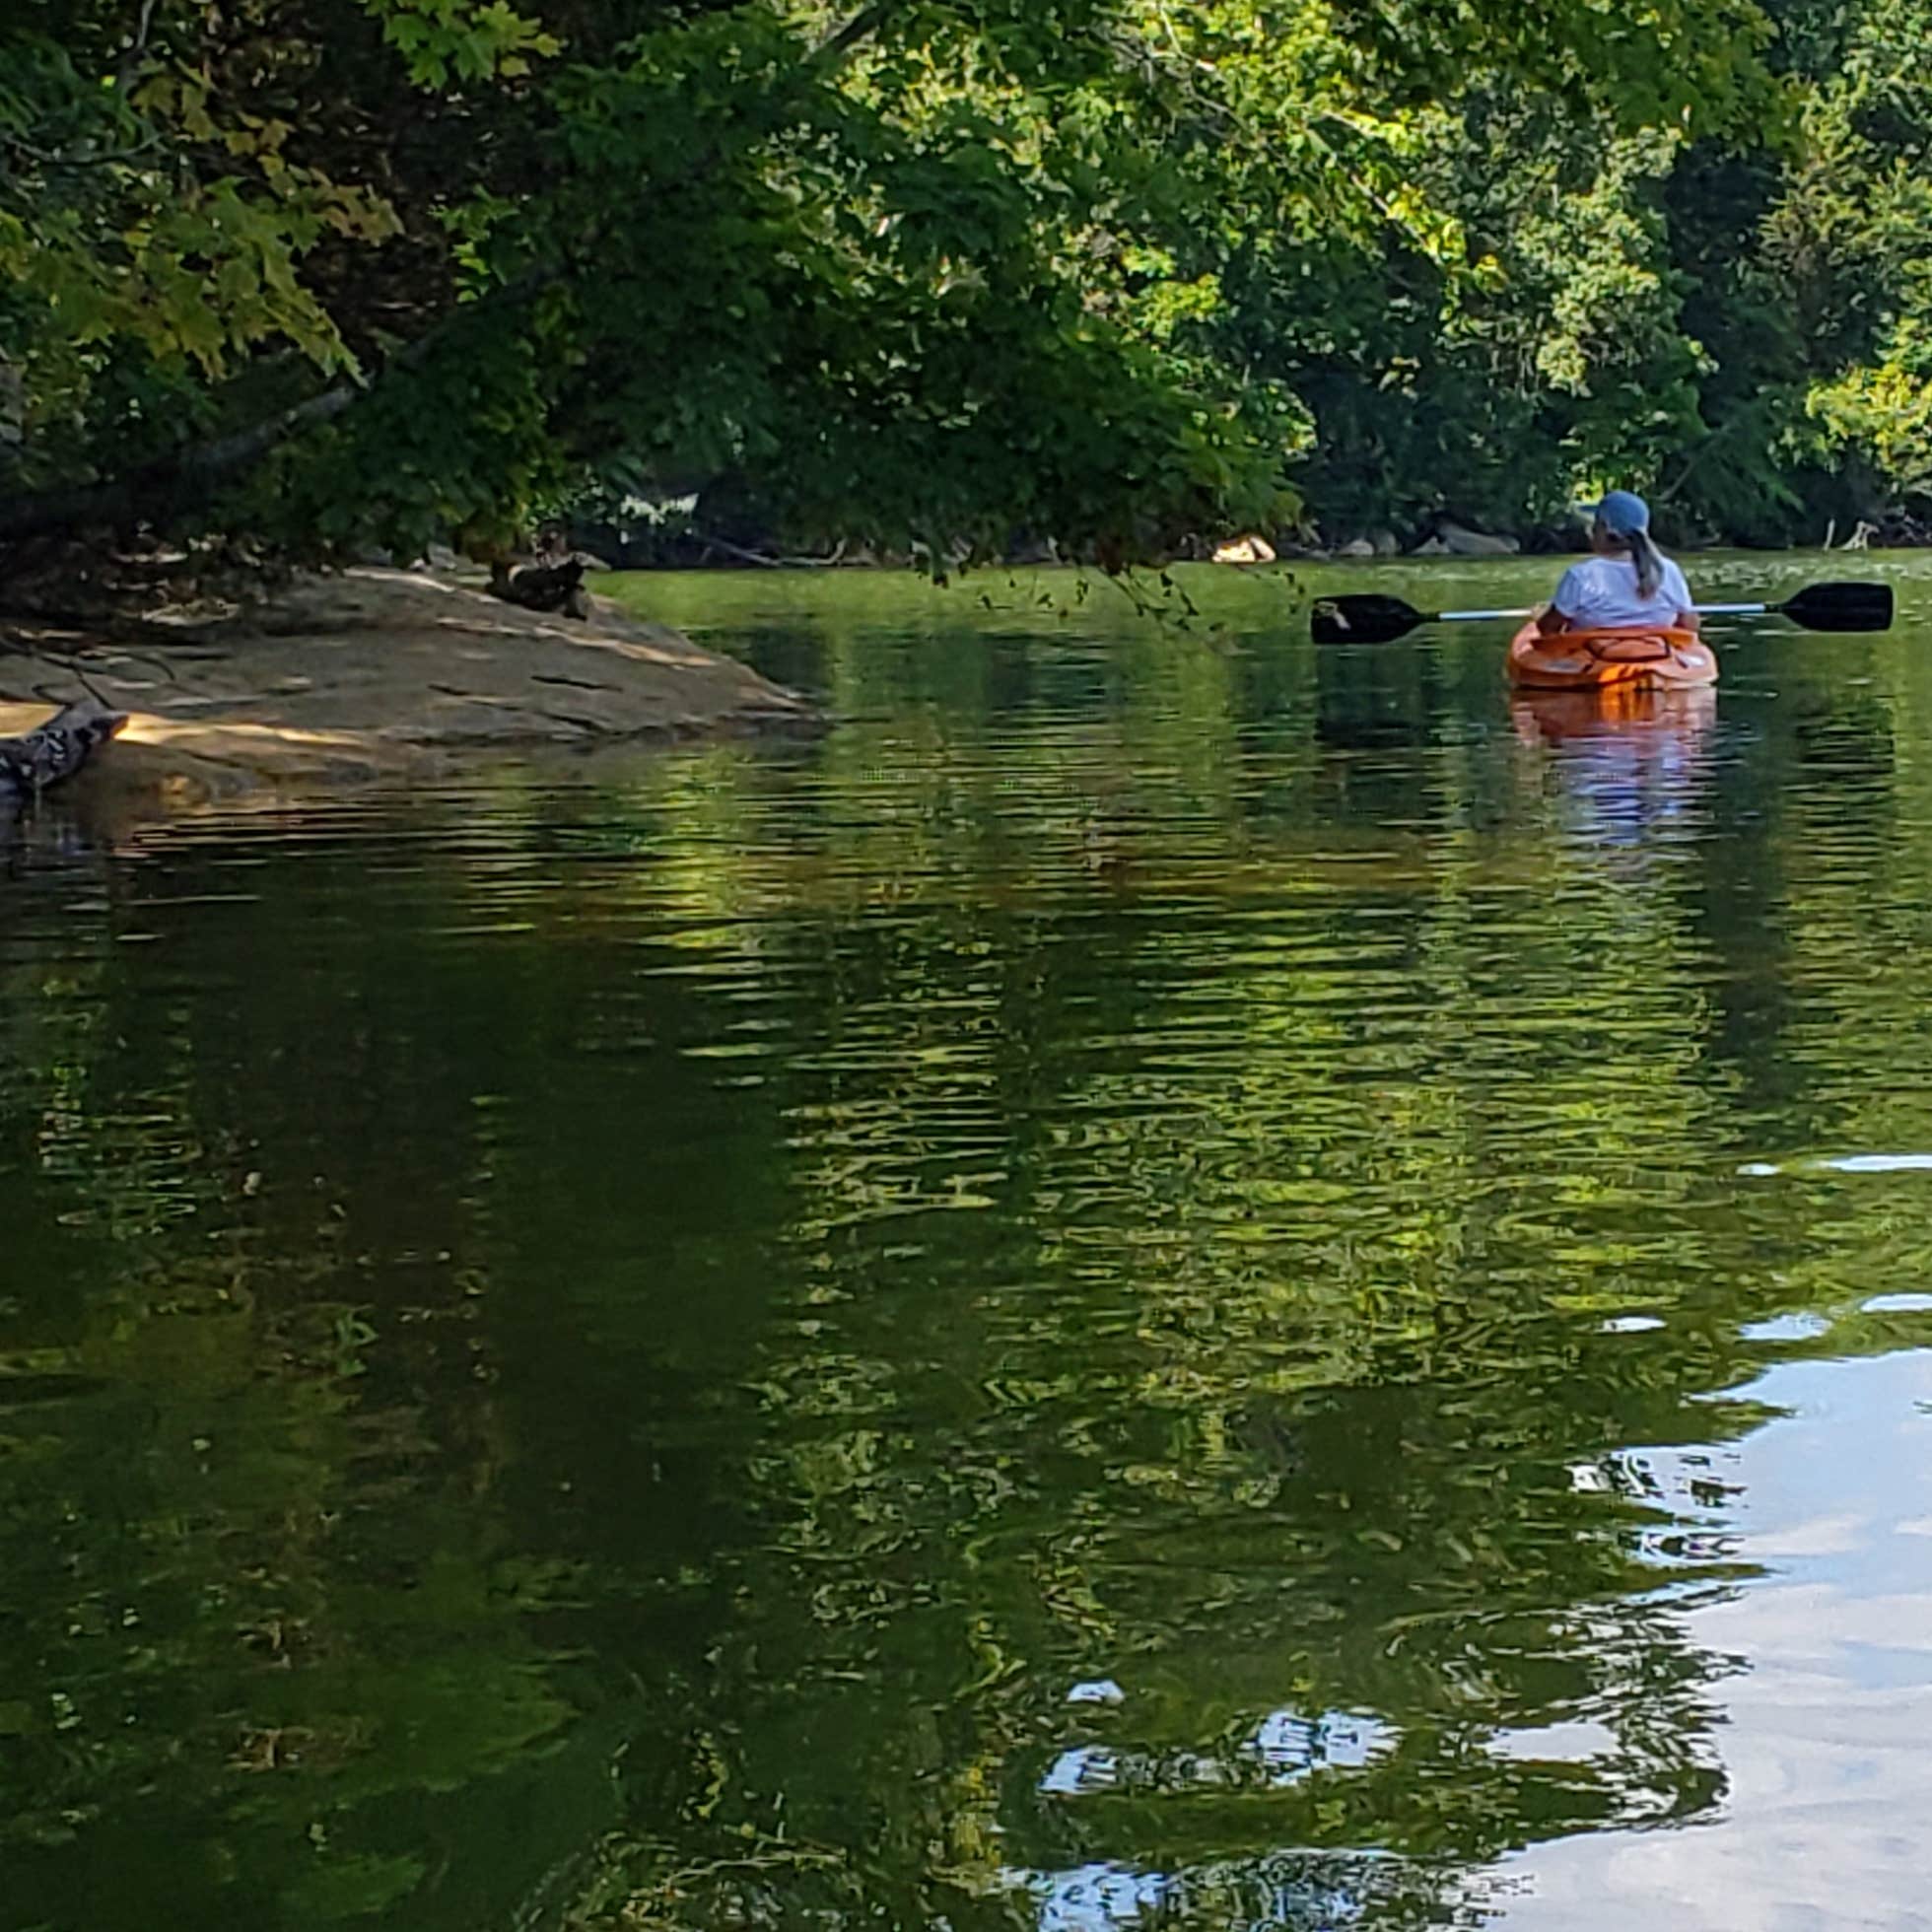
(607, 1352)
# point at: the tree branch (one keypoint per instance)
(188, 475)
(132, 55)
(860, 27)
(106, 158)
(178, 478)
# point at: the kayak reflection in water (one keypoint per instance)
(1632, 762)
(1629, 584)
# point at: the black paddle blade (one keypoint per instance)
(1367, 619)
(1840, 608)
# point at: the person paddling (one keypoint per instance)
(1629, 585)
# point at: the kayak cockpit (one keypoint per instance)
(1596, 660)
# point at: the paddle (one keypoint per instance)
(1377, 619)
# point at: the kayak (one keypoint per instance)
(1598, 660)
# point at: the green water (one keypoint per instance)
(1164, 1284)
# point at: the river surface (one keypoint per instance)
(1168, 1282)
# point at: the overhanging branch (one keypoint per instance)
(185, 477)
(171, 481)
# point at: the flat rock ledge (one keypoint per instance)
(365, 677)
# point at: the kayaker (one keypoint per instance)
(1629, 585)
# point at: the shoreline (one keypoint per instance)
(370, 675)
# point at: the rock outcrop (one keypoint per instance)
(366, 676)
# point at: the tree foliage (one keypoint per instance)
(934, 270)
(1727, 315)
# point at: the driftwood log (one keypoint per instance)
(55, 750)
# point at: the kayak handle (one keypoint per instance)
(1468, 616)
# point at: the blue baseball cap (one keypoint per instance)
(1622, 512)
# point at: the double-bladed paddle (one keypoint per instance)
(1376, 619)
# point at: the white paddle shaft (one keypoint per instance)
(1704, 610)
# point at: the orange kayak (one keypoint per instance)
(1597, 660)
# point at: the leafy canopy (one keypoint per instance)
(926, 271)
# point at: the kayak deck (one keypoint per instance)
(1606, 660)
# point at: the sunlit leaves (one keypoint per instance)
(1849, 238)
(154, 232)
(445, 41)
(916, 274)
(1885, 409)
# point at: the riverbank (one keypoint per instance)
(368, 675)
(1437, 536)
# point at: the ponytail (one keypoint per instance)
(1649, 563)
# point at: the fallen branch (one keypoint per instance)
(55, 750)
(743, 555)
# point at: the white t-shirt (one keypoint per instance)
(1602, 593)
